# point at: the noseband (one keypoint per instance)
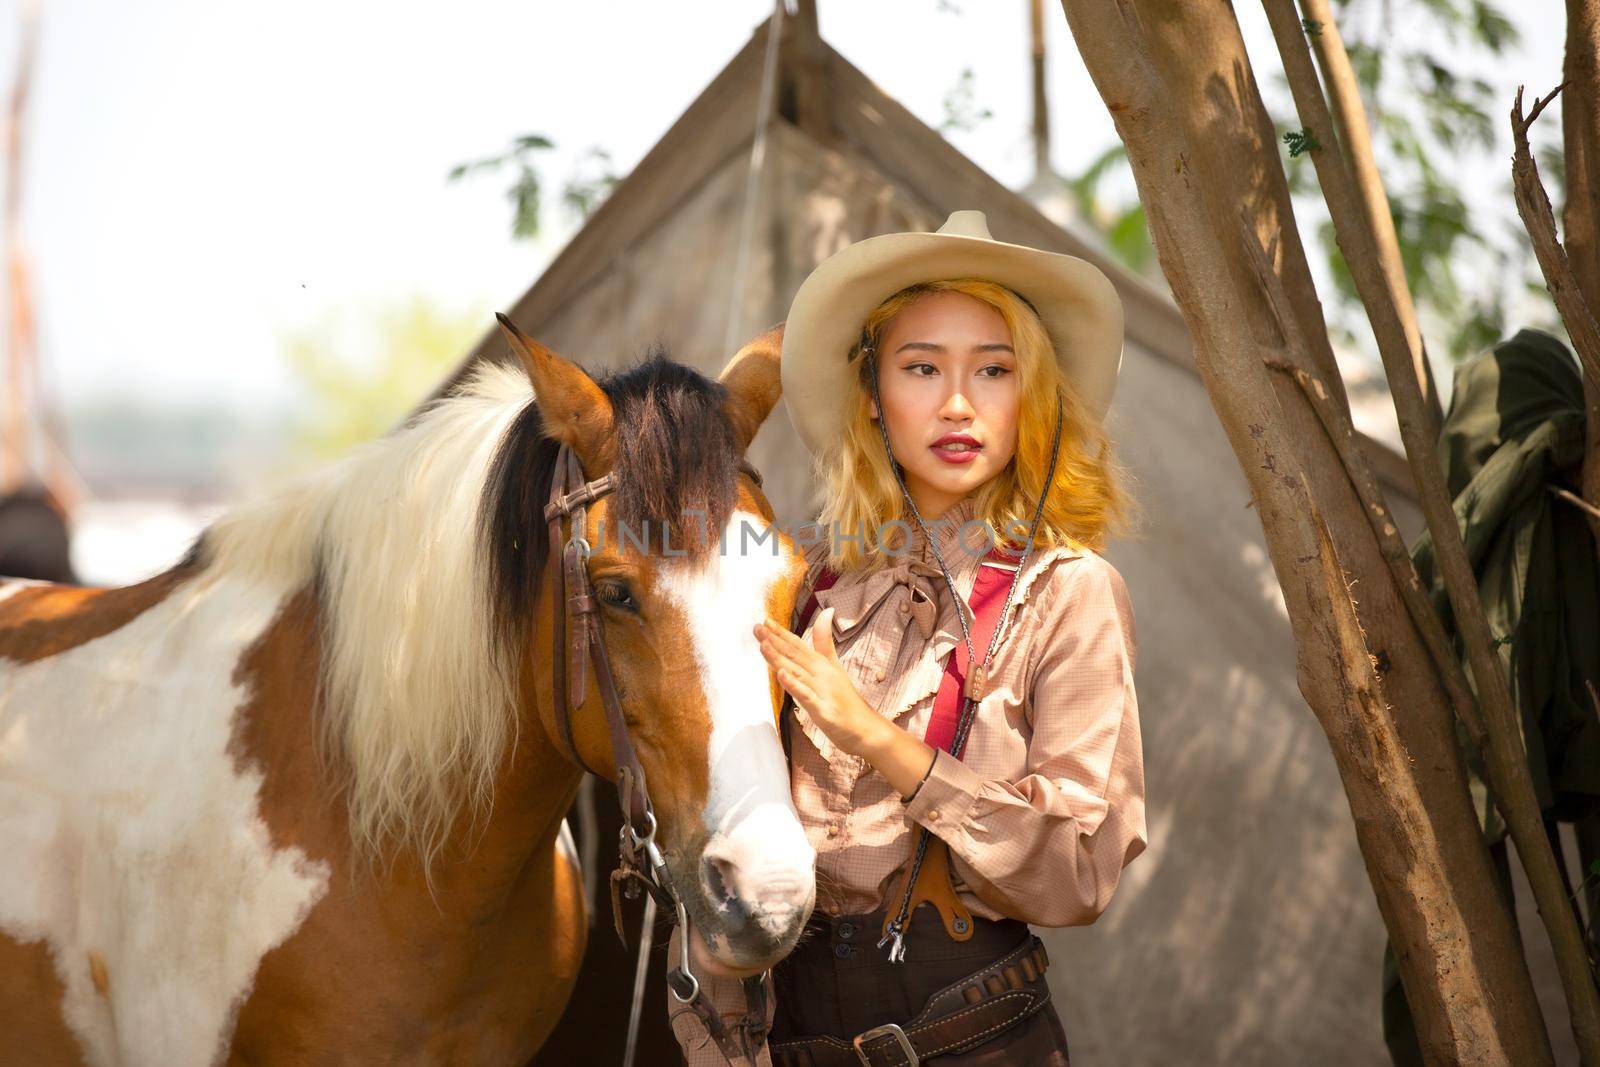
(640, 861)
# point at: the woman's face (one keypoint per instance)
(948, 378)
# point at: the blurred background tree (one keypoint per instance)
(362, 371)
(585, 188)
(1118, 218)
(1471, 272)
(961, 108)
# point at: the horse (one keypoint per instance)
(301, 797)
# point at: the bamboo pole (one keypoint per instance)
(1506, 764)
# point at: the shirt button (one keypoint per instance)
(905, 609)
(879, 676)
(847, 930)
(833, 829)
(842, 951)
(933, 814)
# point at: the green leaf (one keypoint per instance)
(590, 183)
(524, 196)
(1114, 158)
(1367, 62)
(961, 110)
(1300, 142)
(1484, 325)
(524, 192)
(1129, 237)
(1492, 29)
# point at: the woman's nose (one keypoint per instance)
(956, 406)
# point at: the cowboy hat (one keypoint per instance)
(1076, 303)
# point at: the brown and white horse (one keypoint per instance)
(299, 799)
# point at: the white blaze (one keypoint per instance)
(126, 830)
(749, 812)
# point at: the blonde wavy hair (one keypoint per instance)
(1088, 501)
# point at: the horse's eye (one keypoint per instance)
(617, 595)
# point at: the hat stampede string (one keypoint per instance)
(976, 670)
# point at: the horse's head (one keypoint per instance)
(686, 557)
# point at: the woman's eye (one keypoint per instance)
(999, 371)
(617, 595)
(917, 368)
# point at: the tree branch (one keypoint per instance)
(1341, 434)
(1462, 967)
(1559, 278)
(1540, 221)
(1507, 765)
(1345, 95)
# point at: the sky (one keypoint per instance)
(206, 177)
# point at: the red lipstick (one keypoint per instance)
(956, 448)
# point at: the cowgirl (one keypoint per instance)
(978, 751)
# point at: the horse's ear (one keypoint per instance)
(575, 410)
(753, 384)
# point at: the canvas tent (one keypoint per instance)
(1247, 933)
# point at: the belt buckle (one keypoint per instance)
(879, 1031)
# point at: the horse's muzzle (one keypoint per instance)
(759, 882)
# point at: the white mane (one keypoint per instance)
(415, 706)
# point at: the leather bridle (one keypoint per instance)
(640, 862)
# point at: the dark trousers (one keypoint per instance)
(838, 982)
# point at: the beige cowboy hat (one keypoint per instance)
(1077, 304)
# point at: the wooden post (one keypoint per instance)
(806, 69)
(19, 332)
(1041, 99)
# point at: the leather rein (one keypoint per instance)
(640, 861)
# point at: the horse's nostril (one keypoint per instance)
(719, 879)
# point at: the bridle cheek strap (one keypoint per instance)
(640, 860)
(557, 566)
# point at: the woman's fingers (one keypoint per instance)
(777, 656)
(784, 639)
(799, 690)
(777, 651)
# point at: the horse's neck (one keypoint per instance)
(302, 800)
(486, 938)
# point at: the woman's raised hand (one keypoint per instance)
(812, 674)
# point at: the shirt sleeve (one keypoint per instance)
(1049, 847)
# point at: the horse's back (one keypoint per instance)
(139, 888)
(39, 620)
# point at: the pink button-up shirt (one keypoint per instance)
(1045, 808)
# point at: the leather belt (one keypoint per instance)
(961, 1016)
